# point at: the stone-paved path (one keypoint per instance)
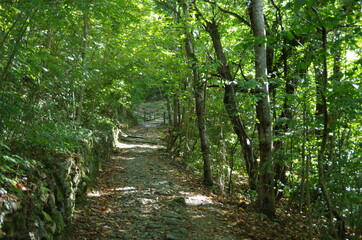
(140, 194)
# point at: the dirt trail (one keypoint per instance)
(140, 194)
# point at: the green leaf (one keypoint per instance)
(298, 4)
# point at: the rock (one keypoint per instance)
(173, 221)
(150, 196)
(46, 211)
(154, 226)
(179, 200)
(122, 235)
(58, 219)
(170, 214)
(163, 191)
(173, 236)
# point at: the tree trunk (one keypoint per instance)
(176, 114)
(200, 108)
(231, 105)
(266, 198)
(282, 127)
(169, 111)
(79, 107)
(21, 35)
(322, 109)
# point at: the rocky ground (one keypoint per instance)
(141, 194)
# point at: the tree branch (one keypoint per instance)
(240, 18)
(200, 16)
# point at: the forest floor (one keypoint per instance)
(141, 193)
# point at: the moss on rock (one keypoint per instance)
(47, 204)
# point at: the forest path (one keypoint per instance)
(141, 194)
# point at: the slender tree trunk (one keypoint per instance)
(7, 34)
(308, 207)
(22, 32)
(282, 128)
(305, 167)
(222, 175)
(231, 169)
(205, 148)
(231, 104)
(176, 110)
(266, 198)
(169, 111)
(199, 90)
(79, 108)
(322, 109)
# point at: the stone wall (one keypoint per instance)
(43, 206)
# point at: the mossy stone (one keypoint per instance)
(20, 221)
(59, 221)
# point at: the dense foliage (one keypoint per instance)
(313, 58)
(62, 72)
(62, 91)
(71, 69)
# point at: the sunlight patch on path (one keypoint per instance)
(129, 145)
(106, 192)
(195, 200)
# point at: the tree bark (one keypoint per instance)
(79, 107)
(199, 90)
(21, 35)
(322, 109)
(169, 111)
(282, 127)
(266, 198)
(176, 112)
(231, 104)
